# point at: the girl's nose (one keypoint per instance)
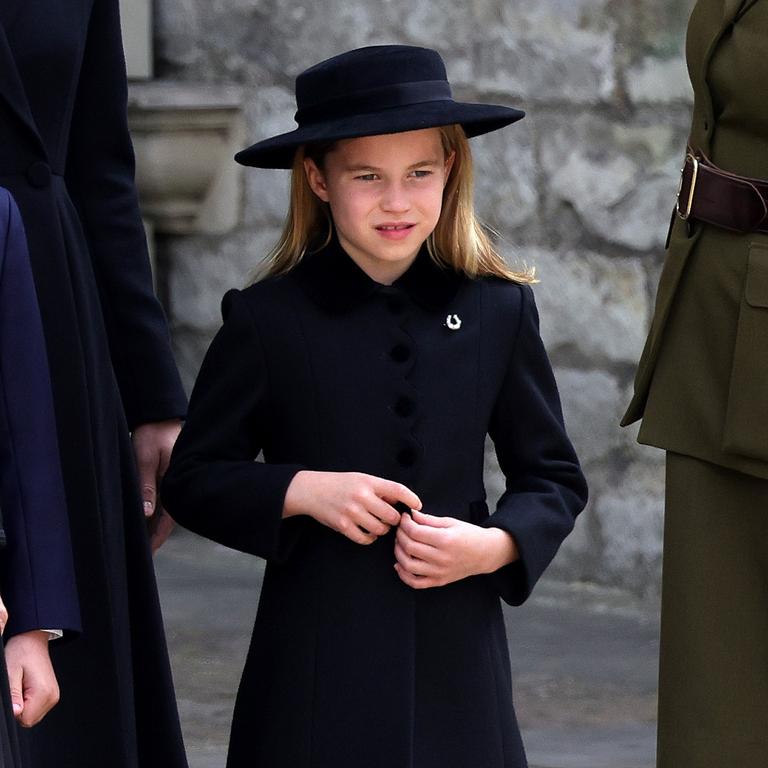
(395, 198)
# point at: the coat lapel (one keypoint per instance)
(11, 86)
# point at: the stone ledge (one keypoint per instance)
(185, 136)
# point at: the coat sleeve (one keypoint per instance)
(38, 570)
(545, 488)
(100, 178)
(214, 486)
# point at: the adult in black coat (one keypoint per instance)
(66, 156)
(38, 577)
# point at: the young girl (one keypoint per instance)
(386, 341)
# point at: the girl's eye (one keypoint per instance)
(422, 174)
(367, 177)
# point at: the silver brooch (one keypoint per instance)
(453, 322)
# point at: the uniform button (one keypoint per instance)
(400, 353)
(406, 457)
(39, 174)
(404, 407)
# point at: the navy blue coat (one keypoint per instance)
(327, 370)
(38, 575)
(66, 156)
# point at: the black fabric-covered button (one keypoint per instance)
(39, 174)
(404, 406)
(406, 457)
(400, 353)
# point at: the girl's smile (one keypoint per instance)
(385, 194)
(395, 231)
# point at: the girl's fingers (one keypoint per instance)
(360, 535)
(394, 492)
(413, 565)
(351, 527)
(383, 511)
(416, 582)
(431, 520)
(424, 533)
(371, 523)
(416, 548)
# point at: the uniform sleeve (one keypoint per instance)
(100, 178)
(545, 488)
(38, 571)
(214, 486)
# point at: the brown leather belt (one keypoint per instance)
(708, 193)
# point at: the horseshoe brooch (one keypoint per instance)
(453, 322)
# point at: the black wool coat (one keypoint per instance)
(327, 370)
(66, 157)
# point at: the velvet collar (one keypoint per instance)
(333, 280)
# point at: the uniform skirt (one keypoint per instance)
(713, 683)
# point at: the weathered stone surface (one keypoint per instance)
(618, 182)
(591, 305)
(189, 348)
(592, 401)
(269, 112)
(548, 51)
(579, 557)
(505, 177)
(659, 80)
(631, 515)
(206, 270)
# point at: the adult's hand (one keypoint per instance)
(357, 505)
(32, 681)
(152, 444)
(3, 616)
(433, 551)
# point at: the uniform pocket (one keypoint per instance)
(756, 290)
(746, 420)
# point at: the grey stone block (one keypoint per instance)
(590, 304)
(205, 269)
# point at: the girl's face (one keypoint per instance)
(385, 194)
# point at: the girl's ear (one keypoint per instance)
(316, 179)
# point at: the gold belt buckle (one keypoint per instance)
(689, 205)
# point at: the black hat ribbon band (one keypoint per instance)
(375, 99)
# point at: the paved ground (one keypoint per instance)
(584, 660)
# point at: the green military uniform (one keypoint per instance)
(702, 392)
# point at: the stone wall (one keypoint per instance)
(582, 189)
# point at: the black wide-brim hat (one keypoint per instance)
(371, 91)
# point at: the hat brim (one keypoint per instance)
(476, 119)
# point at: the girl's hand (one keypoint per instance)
(356, 505)
(434, 551)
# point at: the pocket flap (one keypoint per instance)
(756, 292)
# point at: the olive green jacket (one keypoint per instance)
(702, 382)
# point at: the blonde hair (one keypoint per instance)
(459, 241)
